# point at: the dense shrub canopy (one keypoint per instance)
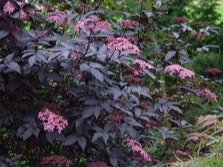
(80, 88)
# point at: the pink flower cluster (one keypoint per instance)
(23, 15)
(143, 64)
(213, 71)
(122, 44)
(206, 93)
(200, 34)
(181, 72)
(62, 18)
(52, 121)
(200, 23)
(8, 8)
(128, 23)
(97, 164)
(56, 160)
(137, 148)
(180, 19)
(92, 24)
(136, 71)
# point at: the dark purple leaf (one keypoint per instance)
(27, 133)
(82, 142)
(96, 136)
(69, 140)
(97, 74)
(14, 66)
(113, 162)
(32, 60)
(84, 67)
(170, 55)
(88, 112)
(3, 33)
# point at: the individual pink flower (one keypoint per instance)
(213, 71)
(8, 8)
(128, 23)
(51, 120)
(180, 19)
(181, 72)
(56, 160)
(122, 44)
(138, 149)
(206, 94)
(143, 64)
(92, 24)
(200, 34)
(97, 164)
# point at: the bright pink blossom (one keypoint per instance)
(56, 160)
(8, 8)
(52, 121)
(143, 64)
(97, 164)
(206, 93)
(181, 72)
(92, 24)
(138, 149)
(122, 44)
(128, 23)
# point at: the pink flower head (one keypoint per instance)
(200, 34)
(121, 44)
(56, 160)
(52, 121)
(181, 72)
(200, 23)
(23, 15)
(92, 24)
(206, 94)
(180, 19)
(54, 16)
(143, 64)
(137, 148)
(8, 8)
(128, 23)
(97, 164)
(136, 71)
(213, 71)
